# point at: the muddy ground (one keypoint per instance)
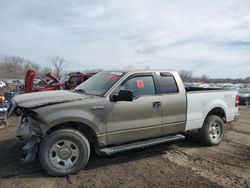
(181, 164)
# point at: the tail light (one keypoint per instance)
(237, 100)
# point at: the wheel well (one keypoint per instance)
(88, 132)
(218, 112)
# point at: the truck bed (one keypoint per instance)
(201, 102)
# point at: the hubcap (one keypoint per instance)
(215, 131)
(63, 154)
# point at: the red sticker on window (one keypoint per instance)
(140, 84)
(113, 77)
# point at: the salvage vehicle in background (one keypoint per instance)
(233, 87)
(117, 111)
(244, 96)
(45, 85)
(67, 82)
(71, 80)
(32, 85)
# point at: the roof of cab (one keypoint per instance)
(143, 70)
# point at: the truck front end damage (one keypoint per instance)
(31, 128)
(31, 134)
(28, 127)
(28, 130)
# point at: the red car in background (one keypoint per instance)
(67, 82)
(32, 85)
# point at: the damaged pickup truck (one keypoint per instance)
(117, 111)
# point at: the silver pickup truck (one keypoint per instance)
(116, 111)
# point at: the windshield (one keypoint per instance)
(100, 83)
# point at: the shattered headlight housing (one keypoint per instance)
(11, 108)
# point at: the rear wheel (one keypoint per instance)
(64, 152)
(212, 131)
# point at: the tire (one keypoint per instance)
(64, 152)
(247, 102)
(212, 132)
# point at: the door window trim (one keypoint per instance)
(155, 81)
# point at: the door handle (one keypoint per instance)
(156, 104)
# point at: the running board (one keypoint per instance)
(140, 144)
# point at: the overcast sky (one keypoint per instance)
(203, 36)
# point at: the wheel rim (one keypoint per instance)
(215, 131)
(64, 154)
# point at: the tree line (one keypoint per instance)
(15, 67)
(187, 76)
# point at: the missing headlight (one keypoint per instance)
(11, 109)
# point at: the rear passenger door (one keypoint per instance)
(173, 103)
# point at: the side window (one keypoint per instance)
(142, 85)
(168, 84)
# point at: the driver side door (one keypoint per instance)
(136, 120)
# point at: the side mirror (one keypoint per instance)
(124, 95)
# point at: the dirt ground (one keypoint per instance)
(181, 164)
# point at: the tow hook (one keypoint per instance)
(30, 149)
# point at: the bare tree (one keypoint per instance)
(247, 80)
(187, 76)
(44, 71)
(58, 63)
(204, 78)
(29, 65)
(14, 67)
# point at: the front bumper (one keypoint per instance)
(236, 117)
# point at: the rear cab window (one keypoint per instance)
(167, 83)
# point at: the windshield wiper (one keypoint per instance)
(80, 90)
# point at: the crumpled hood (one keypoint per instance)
(53, 77)
(37, 99)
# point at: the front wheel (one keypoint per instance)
(64, 152)
(212, 131)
